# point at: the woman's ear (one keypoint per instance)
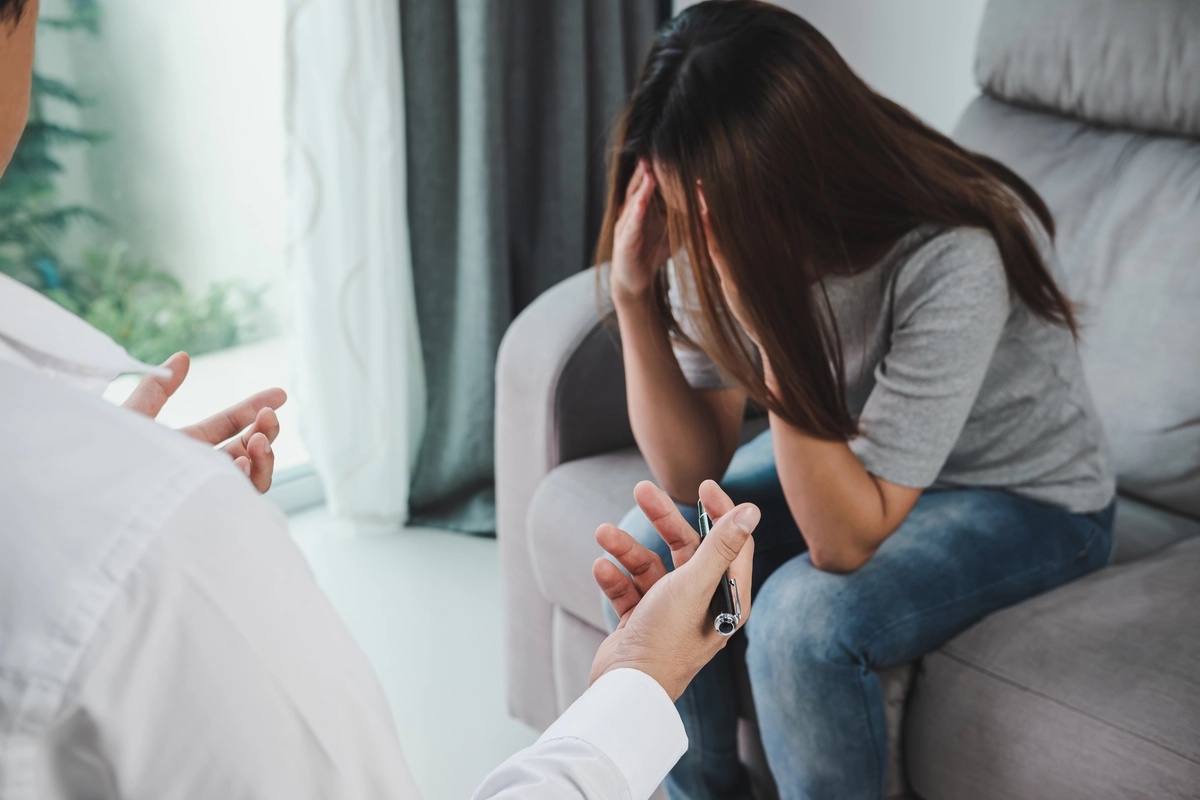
(700, 198)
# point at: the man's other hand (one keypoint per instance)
(245, 430)
(666, 627)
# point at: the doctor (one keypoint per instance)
(160, 635)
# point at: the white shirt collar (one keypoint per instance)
(37, 333)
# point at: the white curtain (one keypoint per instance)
(358, 361)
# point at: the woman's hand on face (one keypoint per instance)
(640, 239)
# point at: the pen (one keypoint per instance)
(727, 597)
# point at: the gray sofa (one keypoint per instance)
(1090, 691)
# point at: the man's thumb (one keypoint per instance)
(722, 545)
(153, 392)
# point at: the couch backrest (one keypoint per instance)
(1123, 63)
(1097, 104)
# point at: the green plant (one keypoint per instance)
(152, 314)
(142, 307)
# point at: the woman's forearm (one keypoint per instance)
(844, 512)
(834, 500)
(675, 429)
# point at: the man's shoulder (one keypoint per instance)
(75, 467)
(53, 433)
(86, 488)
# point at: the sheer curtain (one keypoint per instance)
(357, 359)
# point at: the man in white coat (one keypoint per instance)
(161, 636)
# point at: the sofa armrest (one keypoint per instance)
(560, 396)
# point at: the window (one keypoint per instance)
(147, 194)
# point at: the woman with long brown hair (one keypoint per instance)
(888, 299)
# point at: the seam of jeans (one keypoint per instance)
(1087, 547)
(1029, 690)
(881, 762)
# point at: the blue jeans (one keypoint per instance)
(816, 639)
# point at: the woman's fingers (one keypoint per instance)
(635, 181)
(646, 193)
(629, 223)
(649, 183)
(643, 566)
(640, 191)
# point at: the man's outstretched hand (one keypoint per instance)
(666, 627)
(253, 421)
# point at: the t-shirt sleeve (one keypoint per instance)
(950, 307)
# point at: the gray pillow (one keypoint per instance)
(1126, 63)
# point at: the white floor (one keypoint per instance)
(425, 606)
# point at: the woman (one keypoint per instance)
(933, 454)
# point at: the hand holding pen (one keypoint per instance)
(667, 629)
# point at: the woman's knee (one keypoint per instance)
(804, 615)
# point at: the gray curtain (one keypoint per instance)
(508, 105)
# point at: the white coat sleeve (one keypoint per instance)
(619, 740)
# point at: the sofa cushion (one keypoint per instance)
(575, 646)
(1117, 62)
(1089, 691)
(1127, 207)
(568, 506)
(1141, 530)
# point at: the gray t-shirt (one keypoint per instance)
(954, 381)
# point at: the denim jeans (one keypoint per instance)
(816, 639)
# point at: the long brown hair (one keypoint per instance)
(805, 170)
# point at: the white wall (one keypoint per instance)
(192, 94)
(919, 53)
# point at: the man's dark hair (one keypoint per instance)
(11, 11)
